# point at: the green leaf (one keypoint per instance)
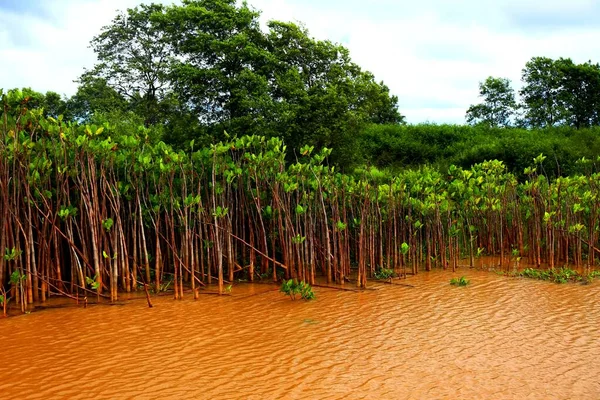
(107, 224)
(404, 247)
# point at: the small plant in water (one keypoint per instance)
(384, 273)
(561, 275)
(4, 299)
(12, 254)
(17, 279)
(516, 259)
(163, 287)
(589, 278)
(462, 281)
(93, 282)
(292, 288)
(480, 251)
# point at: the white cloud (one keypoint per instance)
(58, 38)
(431, 53)
(438, 51)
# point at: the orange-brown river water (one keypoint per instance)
(498, 338)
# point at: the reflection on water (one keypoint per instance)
(497, 338)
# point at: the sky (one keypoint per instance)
(432, 54)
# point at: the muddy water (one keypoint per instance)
(498, 338)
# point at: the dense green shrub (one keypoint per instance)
(409, 146)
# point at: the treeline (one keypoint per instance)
(554, 93)
(205, 67)
(396, 147)
(95, 209)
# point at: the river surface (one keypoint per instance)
(498, 338)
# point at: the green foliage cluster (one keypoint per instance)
(384, 273)
(498, 107)
(554, 93)
(194, 70)
(558, 275)
(462, 281)
(92, 282)
(118, 198)
(17, 278)
(292, 288)
(398, 147)
(201, 67)
(12, 254)
(560, 92)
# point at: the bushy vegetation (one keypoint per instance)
(384, 273)
(294, 288)
(203, 67)
(397, 147)
(462, 281)
(559, 275)
(201, 149)
(554, 93)
(103, 208)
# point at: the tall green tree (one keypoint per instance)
(561, 92)
(580, 92)
(218, 69)
(51, 102)
(134, 60)
(204, 67)
(498, 107)
(54, 105)
(95, 96)
(323, 98)
(541, 93)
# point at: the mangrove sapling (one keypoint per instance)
(179, 216)
(93, 282)
(516, 260)
(164, 287)
(560, 275)
(462, 281)
(480, 251)
(306, 291)
(589, 278)
(17, 278)
(384, 274)
(4, 299)
(404, 249)
(292, 288)
(565, 274)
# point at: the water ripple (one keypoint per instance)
(500, 338)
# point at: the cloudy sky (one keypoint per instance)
(431, 53)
